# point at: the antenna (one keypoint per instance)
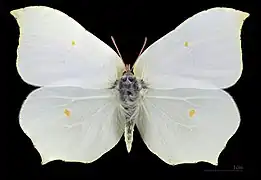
(127, 67)
(116, 47)
(145, 41)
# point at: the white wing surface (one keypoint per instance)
(203, 52)
(188, 125)
(71, 123)
(54, 50)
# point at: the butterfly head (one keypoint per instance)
(127, 75)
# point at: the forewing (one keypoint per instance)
(202, 52)
(188, 125)
(54, 50)
(70, 123)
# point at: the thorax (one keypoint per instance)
(128, 88)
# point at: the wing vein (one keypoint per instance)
(73, 98)
(169, 117)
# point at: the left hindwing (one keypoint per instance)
(71, 123)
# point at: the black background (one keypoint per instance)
(128, 22)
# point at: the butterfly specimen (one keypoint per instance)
(88, 98)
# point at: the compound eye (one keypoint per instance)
(130, 78)
(124, 78)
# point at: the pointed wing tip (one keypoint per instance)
(244, 15)
(15, 13)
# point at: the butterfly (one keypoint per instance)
(88, 98)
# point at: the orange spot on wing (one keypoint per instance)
(192, 112)
(67, 113)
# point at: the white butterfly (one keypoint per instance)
(87, 98)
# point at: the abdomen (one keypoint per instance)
(131, 115)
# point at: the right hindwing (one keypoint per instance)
(187, 125)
